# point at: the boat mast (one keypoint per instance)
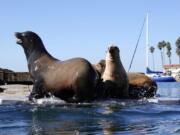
(147, 41)
(137, 43)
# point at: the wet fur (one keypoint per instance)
(73, 80)
(114, 77)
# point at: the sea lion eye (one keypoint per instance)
(24, 35)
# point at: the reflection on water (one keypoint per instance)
(103, 117)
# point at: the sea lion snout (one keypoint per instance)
(27, 39)
(18, 36)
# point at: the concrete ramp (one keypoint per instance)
(14, 93)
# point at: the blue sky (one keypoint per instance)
(85, 28)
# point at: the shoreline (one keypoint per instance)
(15, 90)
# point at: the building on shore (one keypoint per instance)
(173, 70)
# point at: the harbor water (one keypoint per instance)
(110, 117)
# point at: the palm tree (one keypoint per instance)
(178, 48)
(168, 47)
(152, 52)
(178, 53)
(161, 45)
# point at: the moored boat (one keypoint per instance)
(159, 76)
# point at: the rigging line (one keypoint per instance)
(137, 44)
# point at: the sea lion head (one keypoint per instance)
(100, 66)
(113, 52)
(113, 49)
(28, 40)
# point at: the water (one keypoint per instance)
(109, 117)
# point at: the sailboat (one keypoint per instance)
(157, 76)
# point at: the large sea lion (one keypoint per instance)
(73, 80)
(114, 77)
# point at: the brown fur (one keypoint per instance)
(114, 76)
(139, 82)
(140, 85)
(73, 80)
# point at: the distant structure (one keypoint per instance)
(10, 77)
(173, 70)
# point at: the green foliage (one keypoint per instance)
(178, 43)
(161, 45)
(178, 46)
(168, 47)
(152, 49)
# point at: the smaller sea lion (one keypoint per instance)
(114, 77)
(141, 86)
(99, 67)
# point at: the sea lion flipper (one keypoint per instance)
(38, 91)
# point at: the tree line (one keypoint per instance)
(162, 45)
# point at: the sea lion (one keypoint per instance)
(140, 85)
(114, 77)
(99, 67)
(72, 80)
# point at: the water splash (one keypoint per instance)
(50, 100)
